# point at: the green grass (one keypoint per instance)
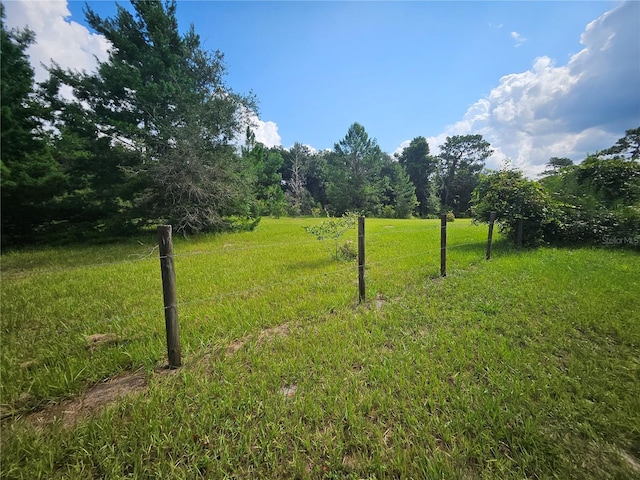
(527, 366)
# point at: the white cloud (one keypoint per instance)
(73, 46)
(267, 133)
(563, 110)
(518, 38)
(400, 149)
(67, 43)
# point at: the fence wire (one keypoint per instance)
(220, 296)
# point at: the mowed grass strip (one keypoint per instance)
(524, 366)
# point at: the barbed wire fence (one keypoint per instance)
(173, 305)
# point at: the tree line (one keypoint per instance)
(594, 202)
(151, 136)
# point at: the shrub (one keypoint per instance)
(388, 212)
(347, 251)
(610, 227)
(333, 229)
(515, 199)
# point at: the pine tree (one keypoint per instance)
(163, 98)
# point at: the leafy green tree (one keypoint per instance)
(268, 187)
(611, 182)
(163, 98)
(316, 181)
(626, 147)
(555, 165)
(354, 173)
(29, 175)
(461, 159)
(516, 199)
(421, 167)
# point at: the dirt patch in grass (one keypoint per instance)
(264, 336)
(100, 396)
(94, 400)
(289, 390)
(234, 346)
(633, 462)
(90, 402)
(97, 339)
(380, 301)
(269, 334)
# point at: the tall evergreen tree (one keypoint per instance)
(267, 162)
(30, 177)
(461, 159)
(421, 167)
(163, 98)
(626, 147)
(355, 182)
(399, 199)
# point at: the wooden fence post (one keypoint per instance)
(519, 233)
(361, 289)
(492, 219)
(443, 245)
(170, 295)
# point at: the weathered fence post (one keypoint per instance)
(443, 245)
(492, 219)
(361, 289)
(519, 233)
(170, 295)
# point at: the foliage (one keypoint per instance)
(594, 202)
(619, 227)
(626, 147)
(348, 251)
(303, 180)
(461, 160)
(269, 196)
(354, 169)
(399, 198)
(516, 199)
(612, 183)
(450, 216)
(599, 201)
(556, 164)
(29, 176)
(421, 167)
(163, 98)
(432, 379)
(331, 230)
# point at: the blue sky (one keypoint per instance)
(537, 79)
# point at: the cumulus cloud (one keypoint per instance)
(563, 110)
(267, 132)
(58, 39)
(71, 45)
(398, 151)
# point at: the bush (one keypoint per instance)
(609, 227)
(515, 199)
(347, 251)
(450, 216)
(333, 229)
(388, 212)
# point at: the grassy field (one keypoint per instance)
(527, 366)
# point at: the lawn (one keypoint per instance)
(526, 366)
